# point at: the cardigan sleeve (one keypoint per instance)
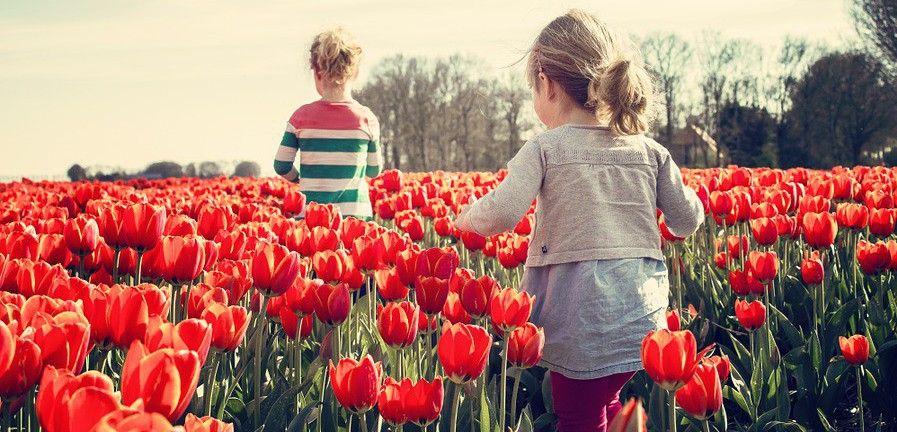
(503, 207)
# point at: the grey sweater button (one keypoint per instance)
(544, 249)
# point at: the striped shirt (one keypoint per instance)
(337, 145)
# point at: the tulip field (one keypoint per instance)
(208, 305)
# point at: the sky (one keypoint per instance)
(122, 83)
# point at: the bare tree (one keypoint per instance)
(667, 56)
(876, 20)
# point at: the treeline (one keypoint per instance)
(167, 169)
(796, 104)
(446, 113)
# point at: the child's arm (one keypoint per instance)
(286, 155)
(682, 209)
(503, 207)
(375, 154)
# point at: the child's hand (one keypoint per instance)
(461, 221)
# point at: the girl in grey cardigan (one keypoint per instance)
(594, 263)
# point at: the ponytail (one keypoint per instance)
(623, 96)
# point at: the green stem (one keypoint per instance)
(860, 398)
(672, 411)
(259, 347)
(115, 260)
(706, 426)
(362, 423)
(456, 399)
(139, 271)
(213, 372)
(502, 411)
(514, 397)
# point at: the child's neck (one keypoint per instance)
(579, 116)
(337, 94)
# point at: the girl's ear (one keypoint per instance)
(550, 86)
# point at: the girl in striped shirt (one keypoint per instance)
(335, 139)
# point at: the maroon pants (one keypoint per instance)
(586, 405)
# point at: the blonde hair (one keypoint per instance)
(596, 68)
(335, 55)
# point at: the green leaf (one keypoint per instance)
(740, 387)
(785, 426)
(657, 407)
(303, 417)
(823, 420)
(526, 422)
(546, 393)
(544, 422)
(742, 355)
(738, 398)
(279, 412)
(485, 407)
(787, 329)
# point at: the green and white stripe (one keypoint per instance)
(332, 166)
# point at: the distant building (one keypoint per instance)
(692, 146)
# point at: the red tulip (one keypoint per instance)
(228, 324)
(201, 296)
(191, 334)
(110, 225)
(420, 403)
(751, 315)
(293, 202)
(82, 235)
(325, 215)
(165, 379)
(397, 324)
(872, 257)
(702, 396)
(763, 265)
(193, 423)
(141, 226)
(332, 303)
(437, 262)
(127, 419)
(525, 346)
(673, 320)
(130, 309)
(291, 324)
(184, 258)
(356, 384)
(24, 370)
(881, 222)
(431, 294)
(63, 338)
(852, 215)
(463, 351)
(631, 418)
(722, 364)
(274, 268)
(819, 229)
(390, 285)
(855, 349)
(765, 231)
(7, 347)
(453, 311)
(476, 295)
(213, 220)
(443, 226)
(670, 357)
(329, 265)
(510, 309)
(811, 269)
(67, 402)
(721, 203)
